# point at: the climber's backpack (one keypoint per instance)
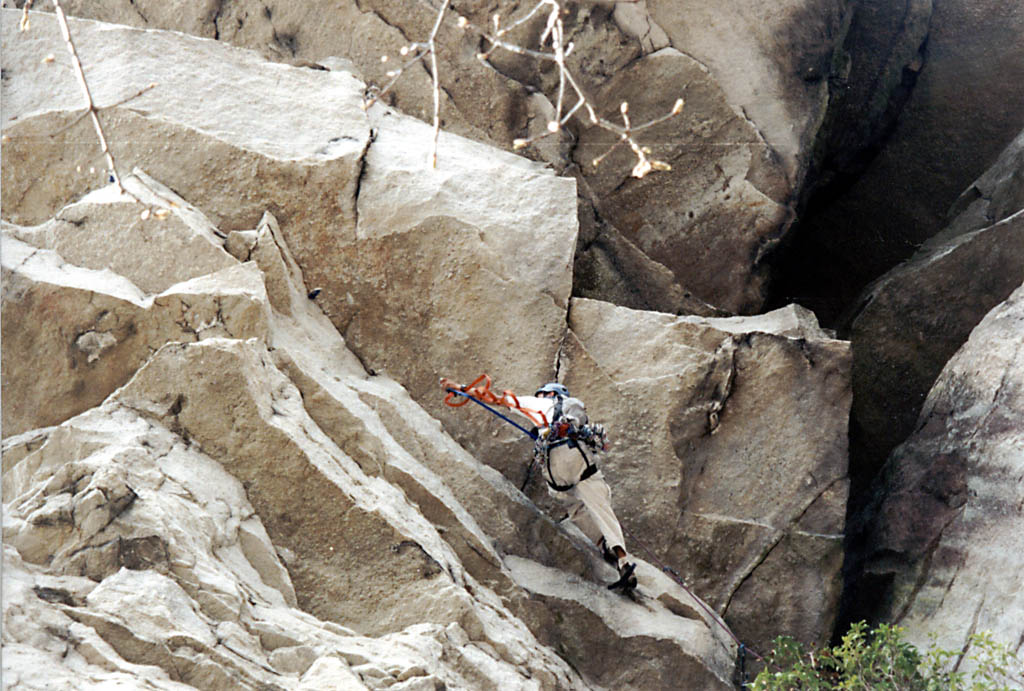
(568, 425)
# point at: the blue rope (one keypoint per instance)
(743, 666)
(531, 435)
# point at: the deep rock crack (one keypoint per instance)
(361, 163)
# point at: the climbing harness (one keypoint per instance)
(542, 453)
(556, 432)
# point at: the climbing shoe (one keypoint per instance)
(627, 581)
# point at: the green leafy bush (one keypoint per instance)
(881, 660)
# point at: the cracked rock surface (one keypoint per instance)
(226, 460)
(227, 463)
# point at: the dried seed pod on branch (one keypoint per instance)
(552, 47)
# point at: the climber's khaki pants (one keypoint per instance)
(591, 499)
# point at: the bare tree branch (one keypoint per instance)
(553, 36)
(419, 51)
(554, 33)
(92, 109)
(432, 48)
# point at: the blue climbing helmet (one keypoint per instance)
(555, 388)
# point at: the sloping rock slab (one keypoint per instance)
(948, 534)
(728, 457)
(71, 335)
(454, 271)
(480, 515)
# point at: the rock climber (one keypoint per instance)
(563, 449)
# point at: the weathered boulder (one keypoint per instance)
(728, 455)
(911, 320)
(943, 537)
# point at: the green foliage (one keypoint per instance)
(881, 660)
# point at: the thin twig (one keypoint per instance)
(420, 51)
(24, 25)
(432, 48)
(93, 110)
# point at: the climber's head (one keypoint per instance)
(551, 390)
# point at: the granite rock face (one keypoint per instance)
(723, 217)
(445, 276)
(356, 218)
(204, 484)
(773, 61)
(188, 485)
(964, 101)
(942, 543)
(199, 136)
(225, 395)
